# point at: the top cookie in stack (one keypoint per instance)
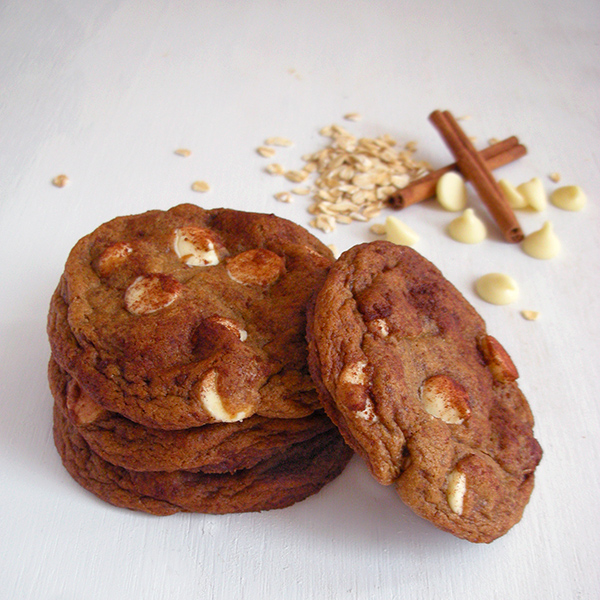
(188, 325)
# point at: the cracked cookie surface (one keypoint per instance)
(184, 317)
(405, 368)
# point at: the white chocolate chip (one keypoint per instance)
(456, 490)
(195, 247)
(534, 193)
(542, 244)
(232, 326)
(213, 403)
(468, 228)
(569, 197)
(399, 233)
(149, 293)
(444, 398)
(512, 195)
(451, 191)
(354, 373)
(497, 288)
(82, 409)
(368, 412)
(381, 327)
(256, 267)
(497, 360)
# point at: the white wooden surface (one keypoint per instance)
(105, 91)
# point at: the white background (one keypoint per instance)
(105, 91)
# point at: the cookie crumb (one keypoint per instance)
(60, 181)
(554, 177)
(200, 186)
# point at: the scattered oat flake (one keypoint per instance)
(278, 141)
(353, 116)
(275, 169)
(301, 191)
(266, 151)
(60, 181)
(493, 141)
(200, 186)
(296, 176)
(530, 315)
(377, 229)
(334, 250)
(183, 152)
(554, 177)
(464, 118)
(352, 178)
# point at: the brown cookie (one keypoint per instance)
(405, 368)
(213, 448)
(302, 470)
(180, 318)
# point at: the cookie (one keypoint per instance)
(179, 318)
(407, 371)
(302, 470)
(213, 448)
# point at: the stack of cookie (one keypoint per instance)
(179, 363)
(187, 344)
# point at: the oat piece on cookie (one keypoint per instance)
(405, 368)
(184, 317)
(302, 470)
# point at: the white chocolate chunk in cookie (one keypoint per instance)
(232, 326)
(256, 267)
(380, 326)
(195, 246)
(444, 398)
(456, 490)
(149, 293)
(82, 409)
(112, 257)
(368, 412)
(213, 403)
(354, 373)
(498, 360)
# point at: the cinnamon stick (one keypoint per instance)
(495, 156)
(474, 169)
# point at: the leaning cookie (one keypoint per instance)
(184, 317)
(405, 368)
(213, 448)
(279, 482)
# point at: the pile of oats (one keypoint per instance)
(353, 177)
